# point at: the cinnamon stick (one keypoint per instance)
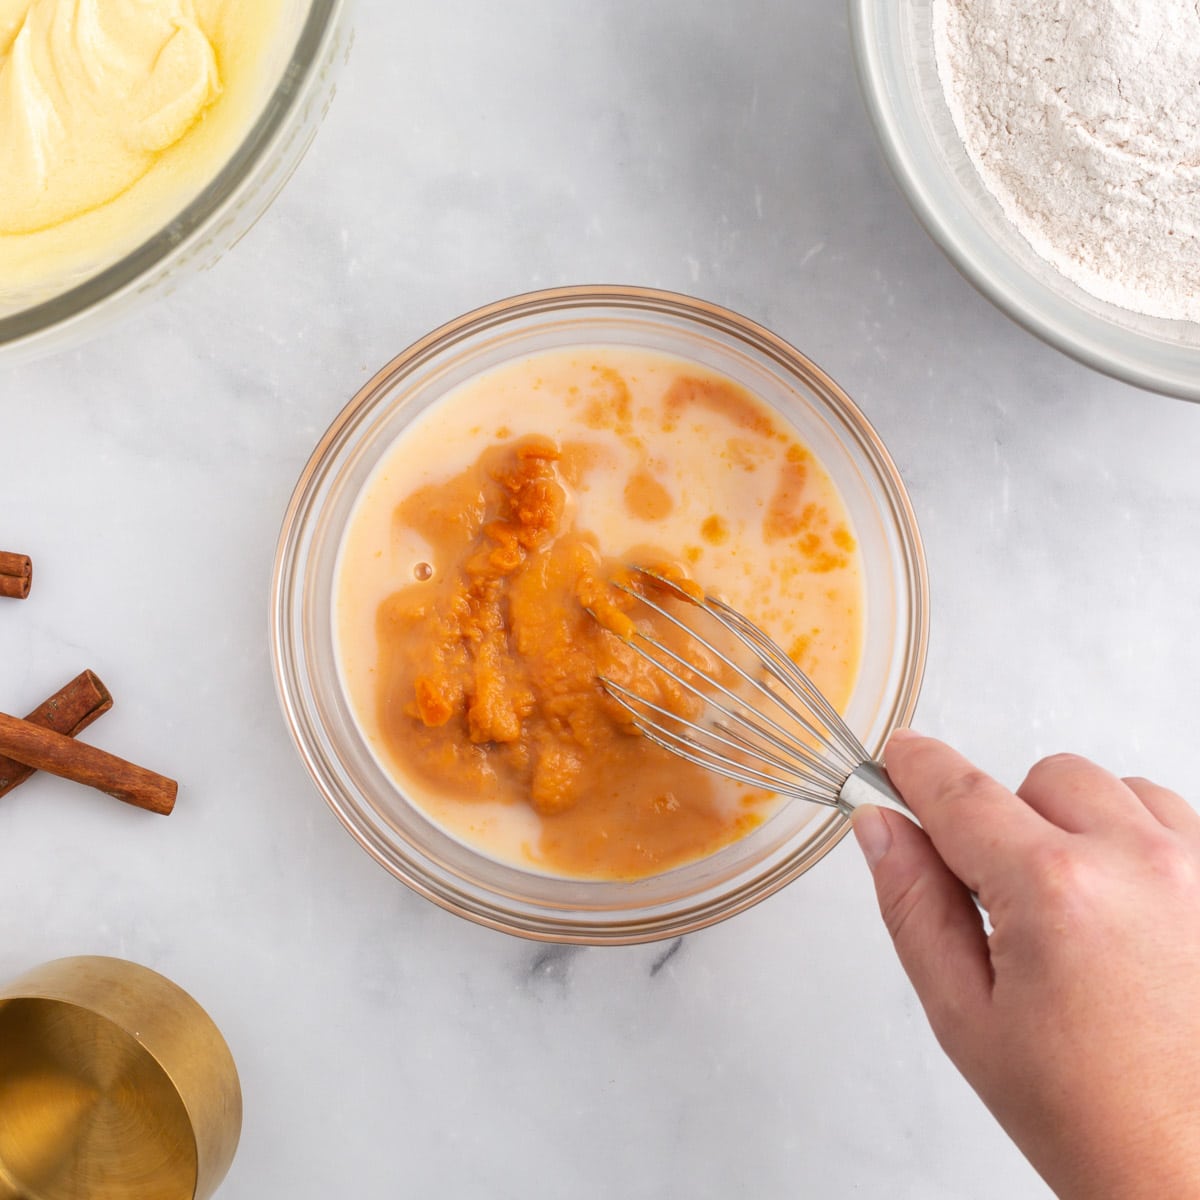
(36, 746)
(16, 575)
(69, 710)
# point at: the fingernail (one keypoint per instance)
(872, 833)
(903, 735)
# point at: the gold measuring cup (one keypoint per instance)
(114, 1085)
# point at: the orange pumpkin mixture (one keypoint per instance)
(489, 676)
(483, 682)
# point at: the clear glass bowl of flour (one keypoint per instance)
(186, 228)
(894, 54)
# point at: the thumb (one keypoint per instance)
(933, 921)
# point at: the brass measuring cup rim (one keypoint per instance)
(99, 1029)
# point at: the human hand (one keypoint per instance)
(1077, 1020)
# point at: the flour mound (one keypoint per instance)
(1082, 118)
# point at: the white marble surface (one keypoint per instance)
(387, 1048)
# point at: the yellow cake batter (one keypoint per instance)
(113, 114)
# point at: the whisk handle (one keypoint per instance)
(869, 784)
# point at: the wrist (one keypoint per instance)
(1152, 1158)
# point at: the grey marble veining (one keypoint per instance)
(386, 1048)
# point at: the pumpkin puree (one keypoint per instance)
(490, 675)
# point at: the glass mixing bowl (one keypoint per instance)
(312, 41)
(371, 804)
(893, 50)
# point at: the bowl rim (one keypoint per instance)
(948, 224)
(173, 237)
(647, 923)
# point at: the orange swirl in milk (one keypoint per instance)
(491, 527)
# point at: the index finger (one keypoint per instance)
(977, 825)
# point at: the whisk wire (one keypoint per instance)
(745, 744)
(637, 706)
(765, 728)
(726, 767)
(776, 660)
(777, 735)
(781, 743)
(695, 752)
(793, 743)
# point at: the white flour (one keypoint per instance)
(1083, 120)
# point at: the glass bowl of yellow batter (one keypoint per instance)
(671, 422)
(140, 141)
(895, 58)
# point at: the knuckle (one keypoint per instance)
(1064, 758)
(963, 787)
(1055, 765)
(1172, 863)
(1070, 886)
(1064, 879)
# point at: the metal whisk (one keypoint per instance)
(788, 740)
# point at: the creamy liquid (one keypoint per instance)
(706, 485)
(113, 114)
